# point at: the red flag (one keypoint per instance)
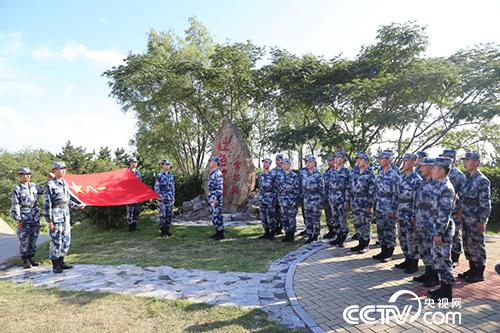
(113, 188)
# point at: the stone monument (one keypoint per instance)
(236, 165)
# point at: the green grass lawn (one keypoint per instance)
(189, 247)
(27, 309)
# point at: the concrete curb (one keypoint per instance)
(292, 297)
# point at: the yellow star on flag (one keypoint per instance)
(76, 188)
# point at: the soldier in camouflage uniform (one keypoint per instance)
(56, 213)
(288, 195)
(338, 196)
(326, 204)
(215, 197)
(420, 242)
(476, 208)
(267, 196)
(165, 187)
(406, 191)
(302, 173)
(421, 155)
(443, 227)
(386, 181)
(362, 199)
(277, 174)
(313, 192)
(134, 209)
(25, 213)
(457, 179)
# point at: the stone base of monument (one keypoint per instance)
(197, 212)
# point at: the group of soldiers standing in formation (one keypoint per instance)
(431, 207)
(435, 208)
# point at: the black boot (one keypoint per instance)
(288, 237)
(56, 266)
(63, 265)
(355, 236)
(423, 277)
(339, 241)
(303, 232)
(455, 258)
(382, 253)
(364, 246)
(167, 231)
(271, 234)
(315, 237)
(309, 240)
(463, 275)
(403, 264)
(477, 274)
(357, 247)
(412, 266)
(26, 262)
(163, 232)
(135, 226)
(330, 234)
(265, 235)
(444, 291)
(432, 280)
(389, 251)
(219, 235)
(33, 262)
(130, 227)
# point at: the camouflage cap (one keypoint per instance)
(268, 160)
(311, 158)
(330, 158)
(472, 155)
(287, 161)
(215, 159)
(386, 154)
(362, 155)
(340, 154)
(450, 153)
(24, 171)
(164, 162)
(305, 157)
(422, 154)
(132, 159)
(427, 161)
(279, 156)
(58, 165)
(410, 157)
(443, 162)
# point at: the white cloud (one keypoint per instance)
(10, 42)
(76, 51)
(68, 90)
(16, 88)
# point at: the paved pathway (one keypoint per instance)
(332, 279)
(260, 290)
(9, 243)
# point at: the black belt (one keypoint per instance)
(405, 200)
(424, 206)
(386, 195)
(27, 206)
(61, 205)
(360, 195)
(470, 201)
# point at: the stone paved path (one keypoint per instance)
(332, 279)
(261, 290)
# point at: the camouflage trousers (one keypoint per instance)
(133, 211)
(289, 215)
(362, 223)
(166, 208)
(328, 215)
(60, 237)
(313, 216)
(339, 217)
(441, 258)
(267, 213)
(474, 247)
(386, 229)
(28, 236)
(405, 229)
(457, 237)
(276, 215)
(217, 219)
(419, 245)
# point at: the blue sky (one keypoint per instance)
(52, 53)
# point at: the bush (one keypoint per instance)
(187, 187)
